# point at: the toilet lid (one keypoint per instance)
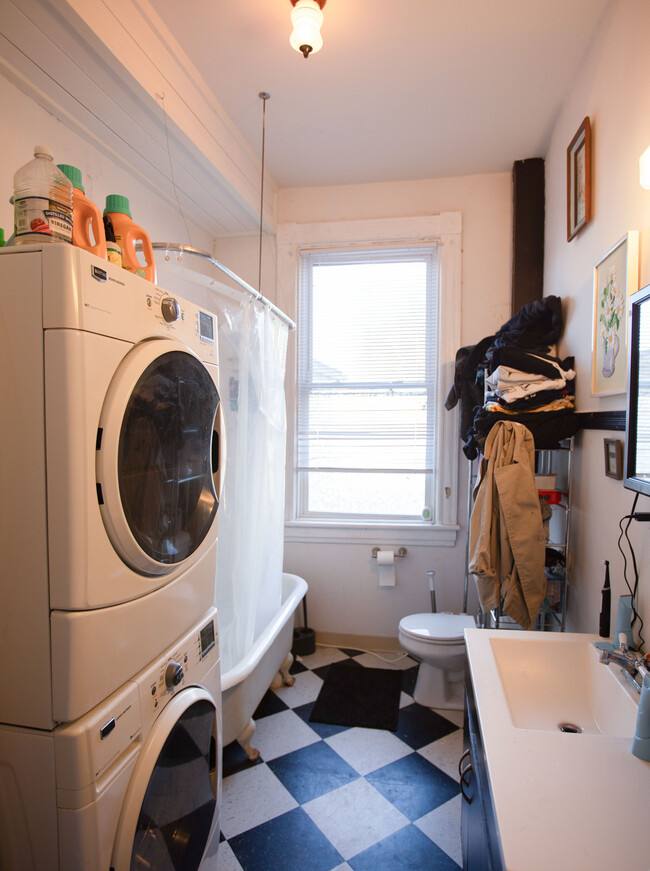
(437, 627)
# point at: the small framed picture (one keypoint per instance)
(579, 180)
(614, 458)
(616, 276)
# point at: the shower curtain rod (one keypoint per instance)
(189, 249)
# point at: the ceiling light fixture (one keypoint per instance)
(307, 19)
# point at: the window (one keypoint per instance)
(366, 382)
(370, 445)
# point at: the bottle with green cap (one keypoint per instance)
(87, 222)
(127, 233)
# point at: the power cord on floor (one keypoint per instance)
(361, 650)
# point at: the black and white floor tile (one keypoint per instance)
(332, 798)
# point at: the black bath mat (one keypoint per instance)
(352, 695)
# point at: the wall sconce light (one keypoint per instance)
(307, 18)
(644, 169)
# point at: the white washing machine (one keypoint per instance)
(135, 783)
(111, 458)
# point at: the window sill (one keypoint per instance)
(356, 532)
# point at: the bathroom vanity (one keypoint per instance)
(480, 837)
(547, 776)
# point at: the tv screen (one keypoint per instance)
(637, 430)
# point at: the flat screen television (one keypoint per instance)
(637, 427)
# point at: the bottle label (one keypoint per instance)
(43, 216)
(113, 253)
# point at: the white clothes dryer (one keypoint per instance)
(135, 783)
(112, 455)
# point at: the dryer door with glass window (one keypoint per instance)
(160, 457)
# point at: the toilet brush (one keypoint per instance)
(432, 591)
(304, 638)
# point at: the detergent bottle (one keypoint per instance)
(42, 201)
(87, 223)
(127, 234)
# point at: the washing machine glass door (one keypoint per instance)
(170, 813)
(160, 456)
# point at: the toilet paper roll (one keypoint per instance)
(386, 563)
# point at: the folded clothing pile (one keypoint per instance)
(516, 375)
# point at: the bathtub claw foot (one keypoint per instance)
(244, 741)
(287, 679)
(282, 677)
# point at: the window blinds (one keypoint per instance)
(367, 360)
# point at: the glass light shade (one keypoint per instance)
(644, 169)
(307, 18)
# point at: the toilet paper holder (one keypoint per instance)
(400, 552)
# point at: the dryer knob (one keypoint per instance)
(173, 674)
(170, 309)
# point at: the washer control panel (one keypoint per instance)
(88, 747)
(183, 664)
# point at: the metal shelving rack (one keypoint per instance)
(552, 615)
(558, 461)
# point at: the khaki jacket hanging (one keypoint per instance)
(507, 539)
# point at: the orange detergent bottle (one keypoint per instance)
(87, 222)
(127, 234)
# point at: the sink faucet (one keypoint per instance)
(634, 666)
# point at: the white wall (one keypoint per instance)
(613, 89)
(343, 597)
(31, 125)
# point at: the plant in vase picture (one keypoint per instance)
(611, 313)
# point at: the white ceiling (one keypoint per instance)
(402, 89)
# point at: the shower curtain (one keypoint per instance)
(252, 345)
(252, 361)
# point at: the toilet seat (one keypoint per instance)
(437, 628)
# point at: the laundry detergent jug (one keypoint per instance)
(127, 233)
(87, 222)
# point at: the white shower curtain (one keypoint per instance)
(252, 360)
(253, 345)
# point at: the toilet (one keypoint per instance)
(437, 641)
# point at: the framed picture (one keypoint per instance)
(614, 458)
(578, 175)
(616, 276)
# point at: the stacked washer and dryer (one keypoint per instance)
(112, 457)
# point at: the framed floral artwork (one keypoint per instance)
(616, 276)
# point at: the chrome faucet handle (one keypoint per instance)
(622, 641)
(642, 665)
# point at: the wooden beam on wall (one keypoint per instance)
(528, 207)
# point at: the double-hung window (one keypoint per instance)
(378, 314)
(367, 382)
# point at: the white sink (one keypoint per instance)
(559, 684)
(560, 800)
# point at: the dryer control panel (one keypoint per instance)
(82, 292)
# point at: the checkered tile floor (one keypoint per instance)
(332, 798)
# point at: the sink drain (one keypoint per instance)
(571, 728)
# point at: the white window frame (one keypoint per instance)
(445, 230)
